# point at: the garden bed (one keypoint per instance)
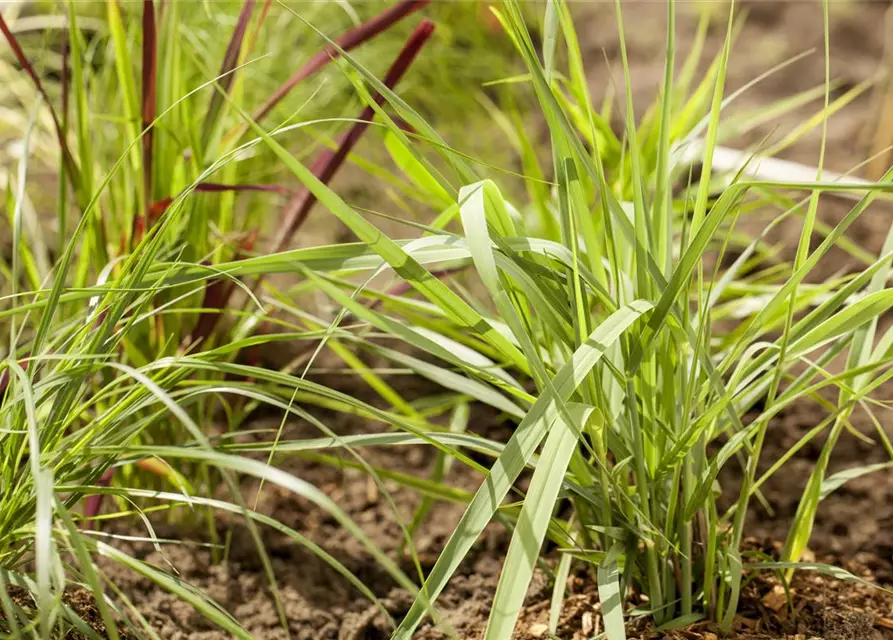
(850, 533)
(852, 529)
(852, 523)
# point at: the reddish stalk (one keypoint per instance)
(62, 205)
(264, 12)
(217, 295)
(226, 77)
(157, 208)
(93, 502)
(328, 162)
(347, 41)
(22, 59)
(150, 60)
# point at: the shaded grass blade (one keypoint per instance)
(329, 162)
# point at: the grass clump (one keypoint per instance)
(639, 343)
(118, 378)
(609, 294)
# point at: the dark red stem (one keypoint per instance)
(157, 209)
(150, 59)
(217, 295)
(74, 175)
(347, 41)
(226, 77)
(93, 502)
(265, 10)
(328, 162)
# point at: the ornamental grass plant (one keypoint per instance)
(604, 299)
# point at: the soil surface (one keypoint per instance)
(852, 523)
(319, 603)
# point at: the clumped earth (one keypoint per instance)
(320, 604)
(851, 525)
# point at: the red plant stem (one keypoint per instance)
(226, 77)
(93, 502)
(157, 209)
(231, 57)
(264, 12)
(71, 166)
(328, 162)
(347, 41)
(62, 205)
(404, 125)
(150, 60)
(217, 295)
(252, 353)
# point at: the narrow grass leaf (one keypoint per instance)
(536, 513)
(609, 595)
(829, 570)
(347, 41)
(230, 60)
(517, 453)
(327, 165)
(836, 480)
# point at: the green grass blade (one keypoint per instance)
(530, 531)
(610, 597)
(520, 448)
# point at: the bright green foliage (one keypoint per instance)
(101, 367)
(618, 243)
(606, 314)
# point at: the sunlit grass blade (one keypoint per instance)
(327, 165)
(347, 41)
(521, 446)
(530, 531)
(227, 65)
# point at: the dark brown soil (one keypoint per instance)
(80, 601)
(851, 524)
(320, 604)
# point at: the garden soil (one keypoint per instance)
(853, 524)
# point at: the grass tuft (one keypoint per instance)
(604, 299)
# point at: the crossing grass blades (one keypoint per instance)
(611, 311)
(609, 292)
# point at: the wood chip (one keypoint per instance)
(775, 599)
(710, 636)
(538, 630)
(587, 625)
(886, 623)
